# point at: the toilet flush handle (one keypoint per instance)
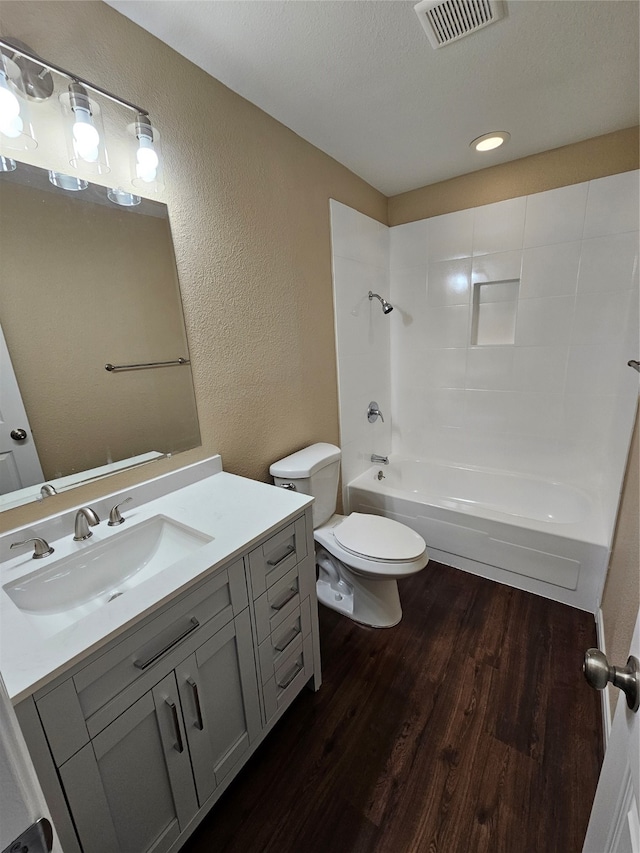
(290, 486)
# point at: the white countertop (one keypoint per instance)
(234, 511)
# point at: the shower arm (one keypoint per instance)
(387, 307)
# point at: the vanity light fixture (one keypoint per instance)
(146, 170)
(489, 141)
(24, 76)
(67, 182)
(123, 198)
(83, 130)
(16, 132)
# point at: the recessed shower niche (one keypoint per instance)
(495, 304)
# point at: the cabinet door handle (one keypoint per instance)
(286, 596)
(143, 664)
(289, 678)
(199, 723)
(274, 563)
(178, 745)
(285, 641)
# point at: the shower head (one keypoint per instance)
(387, 307)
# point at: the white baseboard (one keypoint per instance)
(604, 694)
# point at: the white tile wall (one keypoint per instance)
(558, 402)
(555, 216)
(361, 248)
(612, 205)
(498, 227)
(550, 270)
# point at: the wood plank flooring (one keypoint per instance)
(468, 728)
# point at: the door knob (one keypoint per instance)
(599, 673)
(18, 434)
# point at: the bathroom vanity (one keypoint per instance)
(143, 689)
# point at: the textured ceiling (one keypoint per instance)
(359, 79)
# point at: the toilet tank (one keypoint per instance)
(314, 471)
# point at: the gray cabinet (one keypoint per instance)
(131, 789)
(219, 696)
(134, 744)
(136, 785)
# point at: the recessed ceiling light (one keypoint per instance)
(489, 141)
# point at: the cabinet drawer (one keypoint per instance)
(274, 558)
(291, 674)
(278, 603)
(284, 639)
(146, 654)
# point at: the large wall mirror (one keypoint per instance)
(86, 283)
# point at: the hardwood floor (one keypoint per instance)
(467, 728)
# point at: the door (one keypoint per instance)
(131, 789)
(22, 801)
(614, 825)
(219, 695)
(19, 463)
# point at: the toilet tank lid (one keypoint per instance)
(306, 462)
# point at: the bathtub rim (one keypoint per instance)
(593, 529)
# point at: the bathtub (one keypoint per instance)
(545, 537)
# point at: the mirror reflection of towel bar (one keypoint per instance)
(634, 363)
(112, 367)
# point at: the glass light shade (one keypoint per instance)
(123, 198)
(84, 131)
(67, 182)
(145, 156)
(16, 131)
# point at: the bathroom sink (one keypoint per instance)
(96, 574)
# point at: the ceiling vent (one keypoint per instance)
(445, 21)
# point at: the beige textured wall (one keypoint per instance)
(98, 285)
(621, 598)
(249, 208)
(571, 164)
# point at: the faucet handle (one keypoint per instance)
(115, 517)
(41, 547)
(373, 412)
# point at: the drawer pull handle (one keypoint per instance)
(274, 563)
(285, 641)
(178, 745)
(143, 664)
(284, 598)
(199, 724)
(289, 678)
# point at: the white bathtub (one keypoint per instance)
(546, 537)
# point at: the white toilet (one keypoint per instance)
(360, 557)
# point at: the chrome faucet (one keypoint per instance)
(85, 517)
(379, 460)
(115, 516)
(41, 547)
(47, 491)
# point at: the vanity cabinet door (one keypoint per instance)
(219, 694)
(131, 790)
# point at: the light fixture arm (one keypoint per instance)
(12, 49)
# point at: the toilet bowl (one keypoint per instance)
(360, 557)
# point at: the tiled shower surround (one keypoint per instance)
(529, 375)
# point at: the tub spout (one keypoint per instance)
(379, 460)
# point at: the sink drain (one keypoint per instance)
(114, 595)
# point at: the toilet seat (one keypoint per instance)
(375, 537)
(364, 564)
